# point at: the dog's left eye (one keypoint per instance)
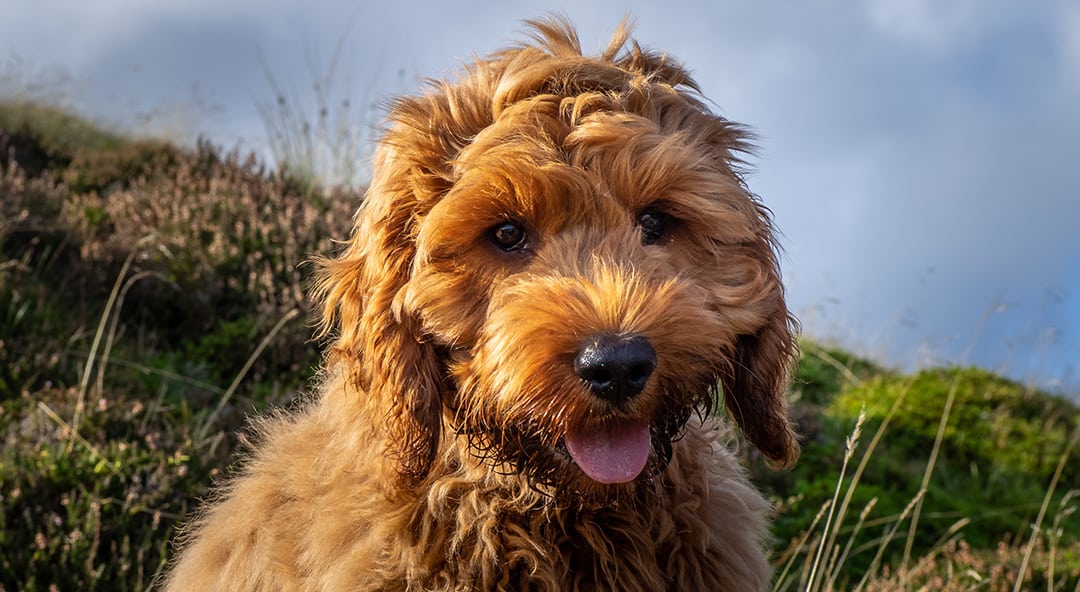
(509, 236)
(655, 226)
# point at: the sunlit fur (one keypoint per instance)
(431, 457)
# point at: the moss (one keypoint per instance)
(1001, 446)
(994, 425)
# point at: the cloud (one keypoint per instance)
(1068, 35)
(927, 23)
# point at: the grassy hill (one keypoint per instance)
(152, 296)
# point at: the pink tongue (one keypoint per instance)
(612, 454)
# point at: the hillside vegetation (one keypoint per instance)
(151, 297)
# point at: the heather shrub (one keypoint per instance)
(106, 171)
(958, 567)
(150, 298)
(93, 511)
(211, 239)
(32, 319)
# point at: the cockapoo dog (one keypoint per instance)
(556, 273)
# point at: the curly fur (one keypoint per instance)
(432, 457)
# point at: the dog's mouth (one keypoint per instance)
(611, 448)
(615, 452)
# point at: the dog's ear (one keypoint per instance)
(755, 386)
(377, 344)
(755, 381)
(381, 342)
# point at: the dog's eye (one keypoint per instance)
(655, 226)
(508, 236)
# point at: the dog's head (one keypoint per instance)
(558, 258)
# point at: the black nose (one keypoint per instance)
(616, 368)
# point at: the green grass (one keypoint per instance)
(1002, 454)
(122, 398)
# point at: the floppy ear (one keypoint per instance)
(378, 341)
(380, 350)
(755, 385)
(755, 381)
(379, 345)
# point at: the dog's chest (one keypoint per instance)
(629, 547)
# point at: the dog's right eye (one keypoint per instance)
(655, 226)
(508, 236)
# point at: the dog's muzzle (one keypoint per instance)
(615, 369)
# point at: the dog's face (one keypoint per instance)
(558, 259)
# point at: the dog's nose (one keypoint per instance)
(616, 368)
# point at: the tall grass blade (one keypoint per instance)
(928, 473)
(1065, 510)
(857, 476)
(827, 536)
(885, 540)
(1036, 528)
(835, 573)
(116, 322)
(84, 383)
(210, 419)
(781, 584)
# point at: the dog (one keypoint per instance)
(556, 278)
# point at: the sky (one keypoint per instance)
(921, 157)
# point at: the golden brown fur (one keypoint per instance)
(433, 457)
